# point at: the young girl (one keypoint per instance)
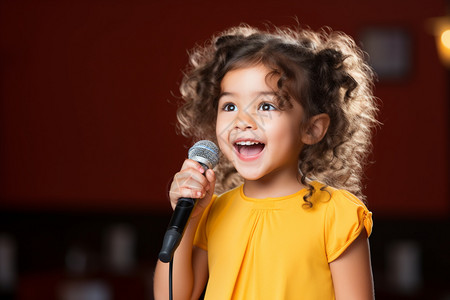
(292, 113)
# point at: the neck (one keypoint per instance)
(278, 183)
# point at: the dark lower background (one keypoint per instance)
(44, 242)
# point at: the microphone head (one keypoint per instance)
(205, 152)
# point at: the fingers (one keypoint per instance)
(190, 182)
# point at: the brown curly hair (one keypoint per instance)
(324, 71)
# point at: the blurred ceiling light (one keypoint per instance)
(445, 38)
(440, 28)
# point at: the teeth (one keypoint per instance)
(247, 143)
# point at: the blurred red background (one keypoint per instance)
(87, 111)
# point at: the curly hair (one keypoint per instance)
(324, 71)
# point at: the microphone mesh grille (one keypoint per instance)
(205, 149)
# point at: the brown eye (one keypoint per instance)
(229, 107)
(266, 107)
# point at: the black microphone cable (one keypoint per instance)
(170, 279)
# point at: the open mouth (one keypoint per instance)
(249, 148)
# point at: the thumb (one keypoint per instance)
(211, 177)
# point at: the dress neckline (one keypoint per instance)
(297, 194)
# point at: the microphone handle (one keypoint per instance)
(176, 228)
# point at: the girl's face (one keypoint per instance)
(257, 137)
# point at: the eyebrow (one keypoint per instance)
(262, 93)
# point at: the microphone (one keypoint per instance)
(206, 153)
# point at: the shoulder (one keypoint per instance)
(220, 203)
(345, 216)
(328, 196)
(225, 197)
(231, 193)
(344, 202)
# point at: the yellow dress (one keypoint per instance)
(275, 248)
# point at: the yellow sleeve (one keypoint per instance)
(345, 218)
(200, 239)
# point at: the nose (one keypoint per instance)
(245, 120)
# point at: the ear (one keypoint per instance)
(315, 129)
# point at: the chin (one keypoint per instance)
(249, 175)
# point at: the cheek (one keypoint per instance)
(225, 123)
(279, 127)
(222, 134)
(285, 133)
(220, 128)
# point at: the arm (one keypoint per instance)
(190, 271)
(352, 272)
(190, 267)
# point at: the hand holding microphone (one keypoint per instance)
(194, 181)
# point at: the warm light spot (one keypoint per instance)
(445, 38)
